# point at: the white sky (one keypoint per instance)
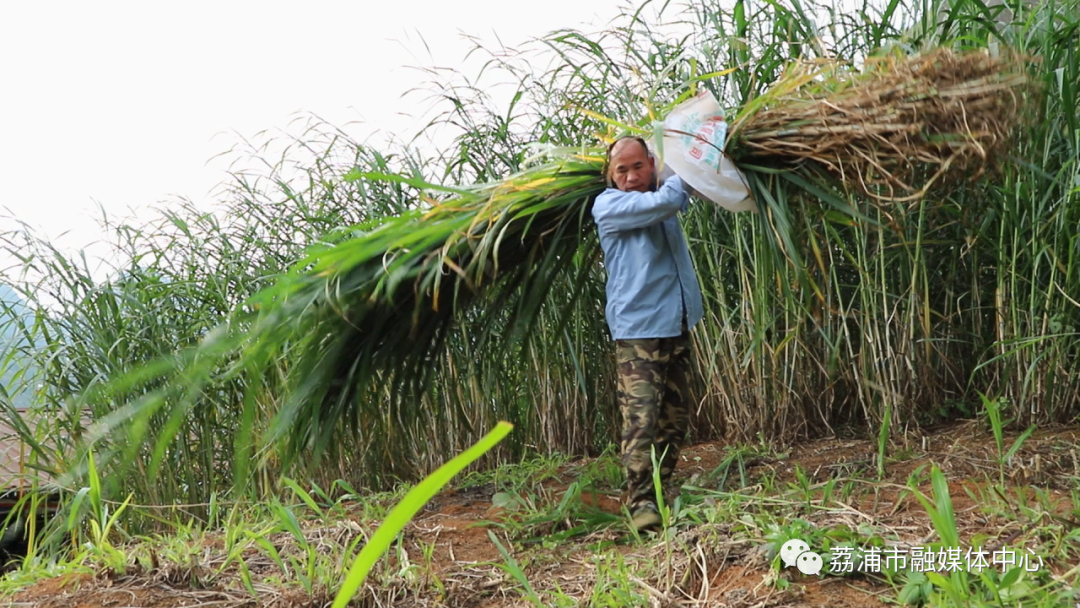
(124, 103)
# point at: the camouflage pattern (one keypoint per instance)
(653, 389)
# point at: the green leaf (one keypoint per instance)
(940, 581)
(513, 569)
(304, 496)
(504, 500)
(1019, 442)
(1010, 577)
(404, 511)
(76, 503)
(912, 593)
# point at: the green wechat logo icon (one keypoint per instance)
(796, 552)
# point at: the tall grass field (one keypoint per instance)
(816, 322)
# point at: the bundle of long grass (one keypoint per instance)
(878, 129)
(365, 314)
(367, 311)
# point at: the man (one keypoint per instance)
(653, 300)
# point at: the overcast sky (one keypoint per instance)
(124, 103)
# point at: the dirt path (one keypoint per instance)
(583, 555)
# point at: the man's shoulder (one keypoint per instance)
(609, 192)
(605, 197)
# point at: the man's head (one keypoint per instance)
(630, 166)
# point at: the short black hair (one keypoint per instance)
(636, 138)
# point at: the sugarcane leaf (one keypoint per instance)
(415, 182)
(828, 197)
(407, 508)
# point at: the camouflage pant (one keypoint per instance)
(653, 385)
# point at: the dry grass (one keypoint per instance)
(876, 129)
(445, 558)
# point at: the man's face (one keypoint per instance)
(631, 168)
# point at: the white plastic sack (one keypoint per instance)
(694, 137)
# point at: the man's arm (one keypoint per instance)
(616, 211)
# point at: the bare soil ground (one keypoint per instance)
(446, 557)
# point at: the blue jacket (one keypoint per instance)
(651, 280)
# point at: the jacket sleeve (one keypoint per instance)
(616, 211)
